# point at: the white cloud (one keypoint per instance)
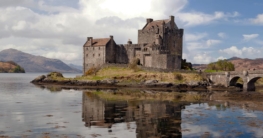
(248, 37)
(201, 44)
(61, 55)
(220, 58)
(233, 51)
(19, 26)
(258, 19)
(202, 58)
(243, 52)
(40, 28)
(221, 35)
(194, 37)
(212, 42)
(197, 18)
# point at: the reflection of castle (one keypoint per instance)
(153, 119)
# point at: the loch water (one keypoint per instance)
(29, 111)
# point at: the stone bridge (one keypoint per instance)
(230, 78)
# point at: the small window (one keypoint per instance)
(99, 55)
(87, 55)
(93, 55)
(87, 48)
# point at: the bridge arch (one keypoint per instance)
(251, 84)
(234, 81)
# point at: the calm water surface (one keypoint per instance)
(28, 110)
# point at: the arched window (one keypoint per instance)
(157, 30)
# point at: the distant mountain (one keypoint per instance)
(233, 58)
(240, 64)
(76, 67)
(33, 63)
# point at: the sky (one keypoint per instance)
(213, 29)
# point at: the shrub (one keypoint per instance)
(92, 71)
(134, 65)
(55, 75)
(222, 65)
(19, 69)
(178, 76)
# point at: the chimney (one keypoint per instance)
(148, 20)
(172, 18)
(90, 39)
(129, 41)
(111, 37)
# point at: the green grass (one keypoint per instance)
(212, 71)
(129, 76)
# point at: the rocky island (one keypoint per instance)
(10, 67)
(121, 77)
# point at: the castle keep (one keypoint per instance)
(159, 46)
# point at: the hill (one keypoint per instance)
(76, 67)
(240, 64)
(247, 64)
(10, 67)
(33, 63)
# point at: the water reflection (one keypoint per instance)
(153, 118)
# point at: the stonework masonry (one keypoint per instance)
(160, 45)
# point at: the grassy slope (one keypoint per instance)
(126, 75)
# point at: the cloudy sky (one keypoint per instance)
(214, 29)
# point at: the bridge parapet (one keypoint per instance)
(216, 73)
(236, 72)
(255, 72)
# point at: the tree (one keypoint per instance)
(186, 65)
(221, 65)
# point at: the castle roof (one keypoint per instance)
(98, 42)
(158, 23)
(155, 23)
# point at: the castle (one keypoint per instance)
(160, 44)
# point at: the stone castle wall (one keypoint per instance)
(159, 46)
(94, 56)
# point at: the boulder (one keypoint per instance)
(48, 80)
(87, 82)
(109, 81)
(164, 84)
(193, 83)
(151, 82)
(39, 78)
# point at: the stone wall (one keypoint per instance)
(110, 52)
(149, 36)
(121, 54)
(93, 57)
(159, 61)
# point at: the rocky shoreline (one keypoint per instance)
(60, 81)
